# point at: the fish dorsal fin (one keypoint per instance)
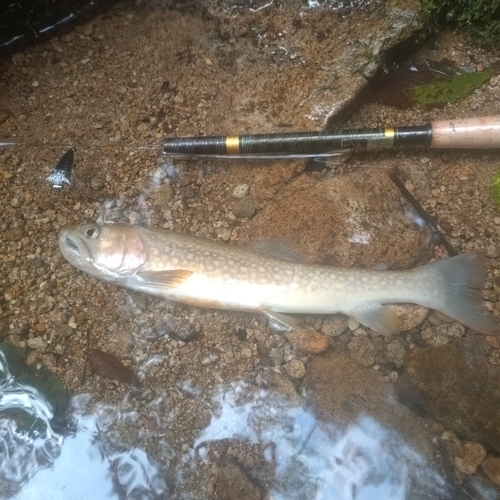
(171, 278)
(382, 319)
(280, 248)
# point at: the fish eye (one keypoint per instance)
(92, 232)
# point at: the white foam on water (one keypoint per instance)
(84, 465)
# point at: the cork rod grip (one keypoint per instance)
(473, 133)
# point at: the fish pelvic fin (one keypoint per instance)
(171, 279)
(278, 319)
(463, 278)
(382, 319)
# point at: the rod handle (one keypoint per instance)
(468, 133)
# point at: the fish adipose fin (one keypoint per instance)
(171, 279)
(463, 279)
(382, 319)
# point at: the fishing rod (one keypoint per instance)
(468, 133)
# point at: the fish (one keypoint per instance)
(269, 277)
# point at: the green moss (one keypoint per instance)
(480, 17)
(450, 90)
(495, 188)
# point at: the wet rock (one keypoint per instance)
(341, 390)
(396, 352)
(240, 191)
(451, 330)
(491, 467)
(434, 337)
(362, 350)
(162, 195)
(244, 207)
(326, 72)
(282, 385)
(453, 445)
(359, 219)
(335, 325)
(12, 235)
(307, 340)
(36, 343)
(97, 182)
(410, 316)
(295, 368)
(231, 483)
(455, 386)
(492, 341)
(474, 454)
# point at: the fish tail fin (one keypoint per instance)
(463, 278)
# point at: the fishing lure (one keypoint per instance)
(63, 172)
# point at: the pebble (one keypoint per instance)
(36, 343)
(15, 203)
(494, 357)
(396, 352)
(431, 336)
(474, 454)
(284, 386)
(225, 234)
(491, 467)
(244, 207)
(308, 340)
(493, 341)
(164, 194)
(97, 182)
(362, 350)
(451, 329)
(335, 325)
(410, 316)
(241, 190)
(295, 368)
(453, 444)
(352, 324)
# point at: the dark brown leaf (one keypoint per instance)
(109, 366)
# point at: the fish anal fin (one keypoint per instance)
(381, 319)
(171, 278)
(280, 248)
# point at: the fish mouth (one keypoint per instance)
(72, 246)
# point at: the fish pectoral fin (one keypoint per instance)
(171, 278)
(280, 248)
(382, 319)
(283, 319)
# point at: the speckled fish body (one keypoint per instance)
(204, 273)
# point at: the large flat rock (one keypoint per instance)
(458, 386)
(359, 219)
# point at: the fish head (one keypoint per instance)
(106, 251)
